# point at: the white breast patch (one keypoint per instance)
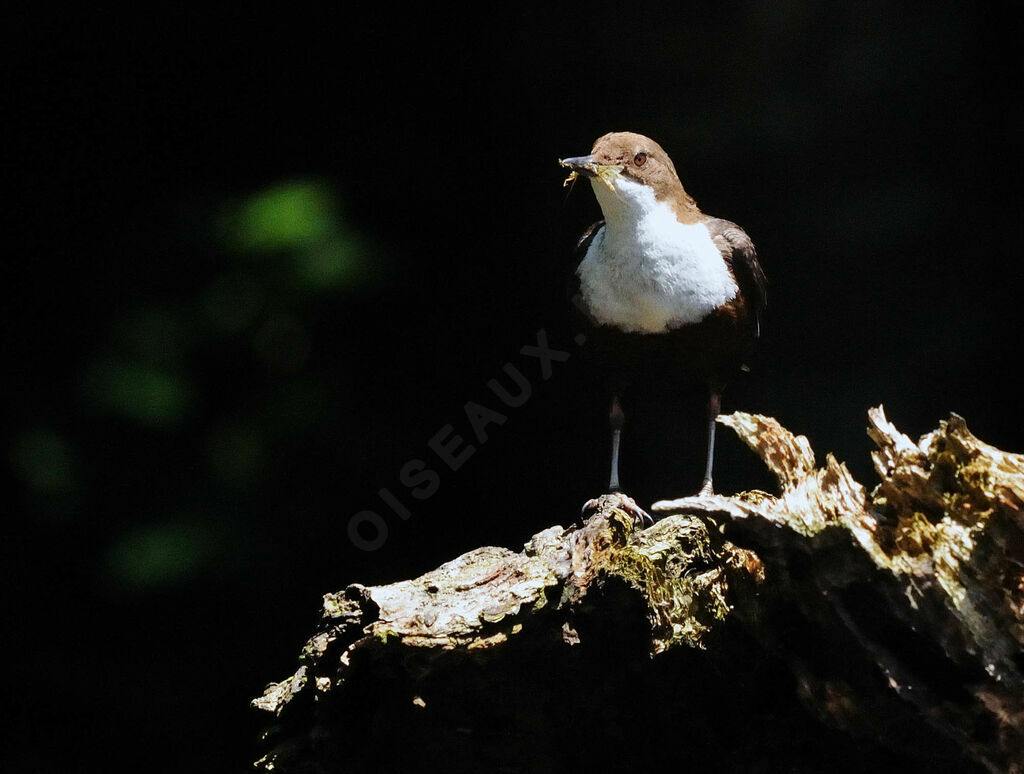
(645, 272)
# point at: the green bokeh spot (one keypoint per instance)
(148, 394)
(163, 554)
(284, 217)
(237, 453)
(46, 462)
(330, 264)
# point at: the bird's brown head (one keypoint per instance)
(638, 158)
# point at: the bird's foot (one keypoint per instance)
(622, 502)
(706, 488)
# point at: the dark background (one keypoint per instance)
(255, 264)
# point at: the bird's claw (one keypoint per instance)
(638, 514)
(624, 503)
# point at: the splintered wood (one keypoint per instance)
(944, 534)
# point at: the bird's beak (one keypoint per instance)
(581, 165)
(585, 165)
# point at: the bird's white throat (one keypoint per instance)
(645, 272)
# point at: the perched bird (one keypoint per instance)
(661, 285)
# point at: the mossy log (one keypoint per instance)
(823, 627)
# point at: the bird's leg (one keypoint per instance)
(623, 502)
(616, 418)
(714, 406)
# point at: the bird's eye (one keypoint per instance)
(640, 159)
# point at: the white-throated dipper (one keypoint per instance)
(661, 284)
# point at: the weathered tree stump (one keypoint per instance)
(825, 626)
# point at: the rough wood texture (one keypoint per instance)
(896, 617)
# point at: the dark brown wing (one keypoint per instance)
(738, 251)
(586, 238)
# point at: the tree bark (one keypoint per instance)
(826, 626)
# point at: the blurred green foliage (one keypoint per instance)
(300, 219)
(208, 383)
(148, 394)
(161, 554)
(45, 461)
(236, 451)
(286, 216)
